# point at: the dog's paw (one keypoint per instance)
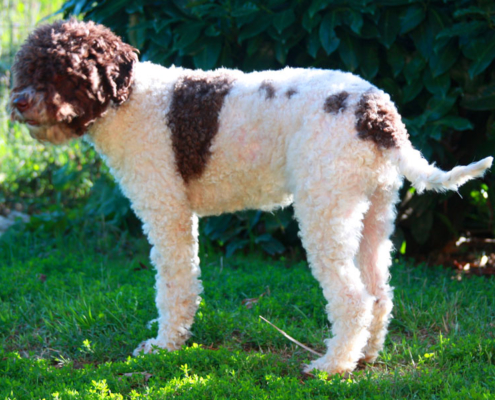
(152, 346)
(368, 358)
(143, 348)
(321, 364)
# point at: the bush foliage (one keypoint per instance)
(435, 59)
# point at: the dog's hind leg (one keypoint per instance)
(374, 261)
(330, 212)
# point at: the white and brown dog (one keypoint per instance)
(184, 144)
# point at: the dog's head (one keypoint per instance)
(66, 74)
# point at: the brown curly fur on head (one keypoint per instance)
(74, 70)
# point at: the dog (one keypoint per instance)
(188, 143)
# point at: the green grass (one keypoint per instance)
(73, 309)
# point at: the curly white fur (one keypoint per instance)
(273, 147)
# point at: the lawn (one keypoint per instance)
(73, 309)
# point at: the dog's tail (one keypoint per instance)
(425, 176)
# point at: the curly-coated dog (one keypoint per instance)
(184, 144)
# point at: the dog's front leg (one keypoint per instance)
(175, 256)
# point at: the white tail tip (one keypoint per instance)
(485, 163)
(424, 176)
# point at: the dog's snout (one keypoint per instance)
(21, 103)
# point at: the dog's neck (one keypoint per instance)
(122, 127)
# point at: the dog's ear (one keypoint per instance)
(115, 61)
(100, 71)
(103, 60)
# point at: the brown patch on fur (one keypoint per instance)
(291, 92)
(193, 119)
(268, 88)
(336, 103)
(379, 121)
(78, 68)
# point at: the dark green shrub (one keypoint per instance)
(435, 58)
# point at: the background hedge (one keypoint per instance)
(434, 57)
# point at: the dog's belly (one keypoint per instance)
(238, 190)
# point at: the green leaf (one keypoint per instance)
(79, 6)
(314, 44)
(281, 51)
(109, 9)
(247, 8)
(134, 8)
(253, 45)
(294, 39)
(414, 68)
(433, 131)
(265, 237)
(329, 42)
(442, 60)
(469, 11)
(389, 26)
(240, 22)
(328, 39)
(273, 247)
(309, 23)
(353, 19)
(438, 19)
(421, 226)
(234, 245)
(463, 29)
(414, 126)
(396, 58)
(138, 33)
(161, 24)
(369, 30)
(212, 31)
(186, 33)
(269, 244)
(280, 219)
(455, 122)
(485, 56)
(255, 28)
(390, 86)
(317, 5)
(330, 21)
(370, 61)
(411, 90)
(253, 218)
(348, 51)
(437, 107)
(438, 86)
(216, 226)
(208, 57)
(411, 18)
(423, 38)
(483, 99)
(283, 19)
(393, 3)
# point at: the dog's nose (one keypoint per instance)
(21, 103)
